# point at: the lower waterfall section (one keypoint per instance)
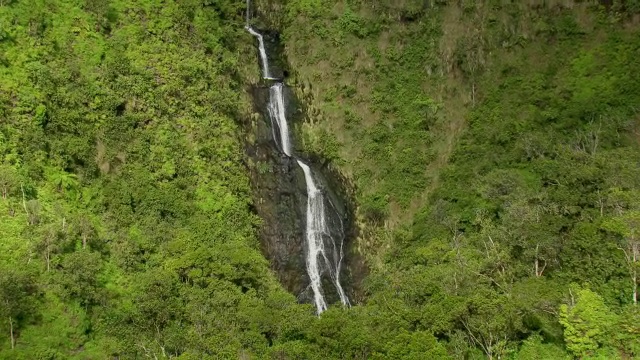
(305, 222)
(318, 234)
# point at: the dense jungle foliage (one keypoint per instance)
(494, 148)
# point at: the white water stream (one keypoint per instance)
(317, 231)
(263, 53)
(277, 112)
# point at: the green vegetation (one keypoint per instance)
(126, 230)
(494, 150)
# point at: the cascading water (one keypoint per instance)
(324, 251)
(277, 113)
(317, 232)
(263, 53)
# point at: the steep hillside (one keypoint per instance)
(492, 148)
(494, 154)
(125, 223)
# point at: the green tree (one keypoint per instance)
(627, 331)
(16, 297)
(415, 346)
(8, 180)
(534, 348)
(79, 276)
(587, 322)
(62, 180)
(627, 225)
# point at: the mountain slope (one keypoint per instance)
(126, 227)
(493, 151)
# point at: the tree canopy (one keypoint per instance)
(492, 149)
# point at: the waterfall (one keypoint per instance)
(263, 53)
(324, 251)
(277, 112)
(248, 15)
(316, 232)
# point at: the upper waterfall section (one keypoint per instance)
(264, 60)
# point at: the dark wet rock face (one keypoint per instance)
(280, 200)
(280, 194)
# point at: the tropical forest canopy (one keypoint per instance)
(493, 149)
